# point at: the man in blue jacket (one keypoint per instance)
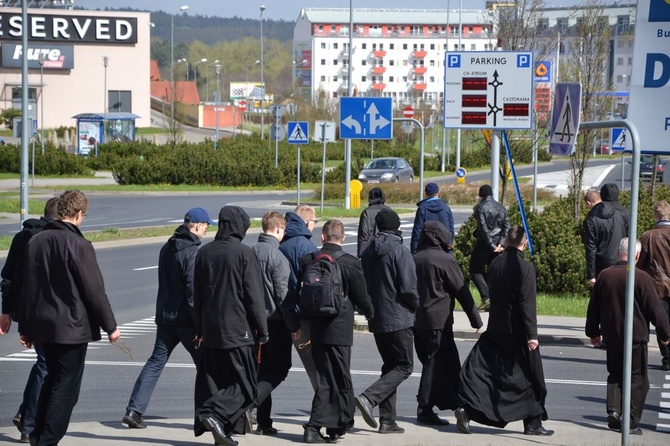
(431, 208)
(174, 309)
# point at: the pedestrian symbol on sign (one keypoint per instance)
(298, 132)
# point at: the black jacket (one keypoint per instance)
(63, 299)
(439, 280)
(13, 269)
(340, 329)
(390, 275)
(492, 223)
(176, 263)
(228, 291)
(602, 231)
(367, 228)
(430, 209)
(512, 285)
(610, 193)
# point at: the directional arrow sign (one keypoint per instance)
(366, 118)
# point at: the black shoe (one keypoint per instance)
(538, 431)
(24, 439)
(18, 421)
(266, 431)
(391, 429)
(635, 431)
(665, 366)
(214, 426)
(365, 406)
(430, 418)
(134, 420)
(34, 441)
(462, 420)
(485, 305)
(313, 436)
(614, 420)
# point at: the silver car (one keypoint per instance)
(387, 170)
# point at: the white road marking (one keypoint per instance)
(145, 268)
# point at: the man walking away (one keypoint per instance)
(229, 322)
(367, 229)
(609, 193)
(502, 379)
(440, 281)
(332, 339)
(174, 309)
(655, 260)
(605, 322)
(63, 306)
(276, 353)
(390, 275)
(431, 208)
(11, 287)
(492, 227)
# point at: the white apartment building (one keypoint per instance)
(397, 53)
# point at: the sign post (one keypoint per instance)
(298, 134)
(324, 131)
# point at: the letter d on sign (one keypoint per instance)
(650, 81)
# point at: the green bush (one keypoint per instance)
(55, 161)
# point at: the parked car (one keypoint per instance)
(647, 168)
(603, 147)
(386, 170)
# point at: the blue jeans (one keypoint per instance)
(167, 338)
(31, 393)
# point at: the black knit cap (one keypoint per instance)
(387, 219)
(377, 195)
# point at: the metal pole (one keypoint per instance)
(535, 149)
(277, 140)
(24, 115)
(460, 48)
(41, 61)
(495, 163)
(263, 82)
(172, 93)
(105, 62)
(622, 170)
(323, 164)
(298, 200)
(216, 106)
(350, 91)
(444, 105)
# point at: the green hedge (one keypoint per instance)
(55, 161)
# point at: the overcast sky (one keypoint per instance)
(280, 9)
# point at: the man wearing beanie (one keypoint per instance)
(390, 274)
(492, 227)
(367, 229)
(610, 193)
(431, 208)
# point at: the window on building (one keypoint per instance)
(335, 78)
(432, 46)
(488, 46)
(622, 23)
(619, 61)
(335, 94)
(404, 46)
(431, 63)
(364, 62)
(323, 45)
(388, 29)
(543, 26)
(404, 78)
(391, 62)
(119, 101)
(473, 47)
(335, 62)
(392, 46)
(415, 47)
(320, 27)
(363, 78)
(364, 46)
(381, 46)
(619, 79)
(421, 47)
(471, 29)
(404, 63)
(630, 61)
(562, 25)
(323, 61)
(391, 79)
(335, 45)
(432, 79)
(323, 78)
(374, 47)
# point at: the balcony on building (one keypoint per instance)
(378, 86)
(379, 69)
(419, 86)
(379, 53)
(419, 70)
(419, 54)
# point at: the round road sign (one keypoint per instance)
(408, 112)
(460, 172)
(242, 105)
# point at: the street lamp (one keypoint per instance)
(215, 63)
(172, 93)
(40, 58)
(246, 73)
(217, 67)
(186, 62)
(195, 71)
(105, 63)
(262, 79)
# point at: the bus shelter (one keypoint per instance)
(94, 129)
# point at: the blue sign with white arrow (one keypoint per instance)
(366, 118)
(298, 132)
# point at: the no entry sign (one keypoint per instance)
(408, 112)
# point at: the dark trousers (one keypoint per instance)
(303, 346)
(427, 344)
(273, 369)
(639, 385)
(225, 386)
(31, 393)
(333, 404)
(60, 391)
(665, 349)
(482, 255)
(397, 352)
(167, 338)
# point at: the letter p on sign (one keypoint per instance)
(522, 61)
(454, 61)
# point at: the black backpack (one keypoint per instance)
(322, 291)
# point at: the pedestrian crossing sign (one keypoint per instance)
(565, 118)
(621, 140)
(298, 132)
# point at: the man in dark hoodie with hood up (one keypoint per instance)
(390, 275)
(431, 208)
(174, 309)
(609, 193)
(440, 282)
(367, 228)
(230, 320)
(602, 231)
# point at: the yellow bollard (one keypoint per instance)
(355, 188)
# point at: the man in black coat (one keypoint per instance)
(11, 287)
(367, 229)
(332, 338)
(502, 379)
(440, 281)
(609, 193)
(63, 306)
(230, 322)
(390, 274)
(605, 321)
(174, 309)
(492, 227)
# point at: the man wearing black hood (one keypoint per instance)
(367, 229)
(440, 282)
(390, 275)
(230, 320)
(431, 208)
(609, 193)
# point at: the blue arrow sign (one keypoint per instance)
(460, 172)
(298, 132)
(366, 118)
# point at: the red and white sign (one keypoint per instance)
(408, 112)
(242, 105)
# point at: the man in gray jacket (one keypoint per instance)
(390, 274)
(276, 353)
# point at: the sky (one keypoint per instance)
(281, 9)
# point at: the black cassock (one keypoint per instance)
(502, 381)
(438, 353)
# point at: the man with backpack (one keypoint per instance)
(390, 274)
(331, 284)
